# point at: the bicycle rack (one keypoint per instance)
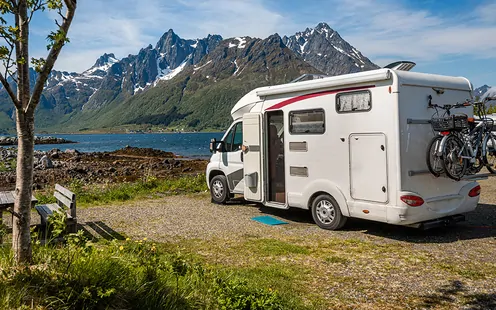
(474, 177)
(418, 121)
(411, 173)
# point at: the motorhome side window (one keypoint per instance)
(307, 122)
(234, 138)
(359, 101)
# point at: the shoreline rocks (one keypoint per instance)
(5, 141)
(128, 164)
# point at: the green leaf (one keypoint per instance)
(4, 52)
(38, 64)
(56, 38)
(54, 4)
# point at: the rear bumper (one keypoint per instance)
(434, 208)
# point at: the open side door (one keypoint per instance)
(252, 156)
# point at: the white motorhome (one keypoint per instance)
(349, 146)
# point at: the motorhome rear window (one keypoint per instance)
(359, 101)
(307, 122)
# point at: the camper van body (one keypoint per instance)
(359, 139)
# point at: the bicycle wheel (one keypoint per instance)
(434, 162)
(489, 156)
(454, 165)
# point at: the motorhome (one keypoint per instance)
(349, 146)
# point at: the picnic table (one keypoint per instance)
(7, 200)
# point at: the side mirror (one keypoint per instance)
(213, 145)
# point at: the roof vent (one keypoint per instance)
(309, 77)
(401, 65)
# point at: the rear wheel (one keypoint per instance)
(219, 189)
(326, 213)
(489, 157)
(434, 162)
(454, 165)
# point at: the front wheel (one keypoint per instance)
(489, 156)
(454, 165)
(326, 213)
(219, 189)
(434, 162)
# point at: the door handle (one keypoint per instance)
(241, 155)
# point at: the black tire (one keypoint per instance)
(454, 167)
(434, 163)
(490, 161)
(326, 213)
(219, 190)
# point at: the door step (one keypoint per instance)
(277, 205)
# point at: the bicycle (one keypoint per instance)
(463, 144)
(444, 126)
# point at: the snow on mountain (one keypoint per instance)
(481, 90)
(324, 49)
(241, 43)
(167, 73)
(102, 64)
(491, 92)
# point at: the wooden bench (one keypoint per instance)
(64, 198)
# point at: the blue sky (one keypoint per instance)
(455, 37)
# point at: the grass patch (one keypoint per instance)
(469, 272)
(131, 275)
(11, 165)
(269, 247)
(150, 187)
(283, 278)
(336, 260)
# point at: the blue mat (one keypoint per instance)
(268, 220)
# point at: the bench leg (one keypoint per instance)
(72, 226)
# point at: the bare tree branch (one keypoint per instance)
(52, 56)
(8, 64)
(7, 87)
(39, 4)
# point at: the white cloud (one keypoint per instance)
(388, 29)
(383, 31)
(125, 26)
(486, 13)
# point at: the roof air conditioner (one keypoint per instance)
(401, 65)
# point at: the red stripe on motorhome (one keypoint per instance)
(313, 95)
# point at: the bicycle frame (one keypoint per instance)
(480, 128)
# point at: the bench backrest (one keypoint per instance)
(66, 198)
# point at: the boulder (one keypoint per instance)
(73, 152)
(46, 162)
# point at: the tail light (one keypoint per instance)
(445, 133)
(475, 191)
(412, 200)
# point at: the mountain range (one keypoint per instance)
(480, 91)
(180, 83)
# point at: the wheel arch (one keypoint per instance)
(214, 173)
(319, 187)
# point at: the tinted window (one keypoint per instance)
(228, 140)
(234, 139)
(354, 101)
(238, 137)
(309, 122)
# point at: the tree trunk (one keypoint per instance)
(21, 242)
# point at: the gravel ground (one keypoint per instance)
(386, 266)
